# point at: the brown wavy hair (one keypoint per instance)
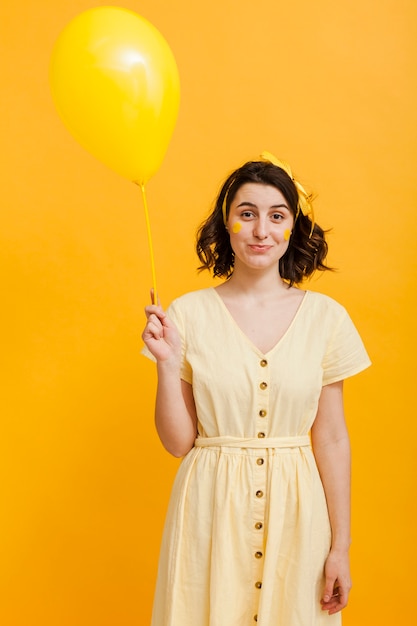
(307, 247)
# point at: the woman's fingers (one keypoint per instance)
(154, 309)
(154, 327)
(336, 601)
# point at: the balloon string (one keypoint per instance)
(148, 230)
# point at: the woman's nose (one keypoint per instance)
(260, 230)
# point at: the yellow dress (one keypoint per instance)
(247, 529)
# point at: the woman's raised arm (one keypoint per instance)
(175, 414)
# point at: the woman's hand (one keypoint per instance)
(338, 582)
(160, 335)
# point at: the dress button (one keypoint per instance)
(263, 385)
(261, 435)
(258, 585)
(259, 494)
(260, 461)
(263, 363)
(258, 525)
(255, 617)
(258, 555)
(262, 413)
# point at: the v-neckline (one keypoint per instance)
(245, 336)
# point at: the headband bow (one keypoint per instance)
(304, 199)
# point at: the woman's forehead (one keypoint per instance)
(259, 193)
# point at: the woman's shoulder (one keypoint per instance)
(325, 305)
(191, 300)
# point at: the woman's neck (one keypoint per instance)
(254, 284)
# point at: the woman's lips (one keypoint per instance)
(259, 248)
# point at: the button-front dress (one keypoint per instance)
(247, 531)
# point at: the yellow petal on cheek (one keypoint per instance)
(287, 234)
(237, 226)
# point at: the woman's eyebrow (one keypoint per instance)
(251, 204)
(246, 204)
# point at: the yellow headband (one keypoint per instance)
(304, 199)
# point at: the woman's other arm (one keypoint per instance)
(331, 448)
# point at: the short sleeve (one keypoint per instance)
(175, 315)
(345, 355)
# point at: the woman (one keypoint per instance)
(250, 377)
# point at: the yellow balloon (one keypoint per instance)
(115, 83)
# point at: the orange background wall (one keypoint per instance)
(328, 86)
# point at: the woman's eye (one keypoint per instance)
(277, 217)
(246, 214)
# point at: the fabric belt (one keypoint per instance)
(254, 442)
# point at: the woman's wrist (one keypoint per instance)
(341, 546)
(170, 365)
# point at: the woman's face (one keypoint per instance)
(259, 224)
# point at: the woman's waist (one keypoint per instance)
(227, 441)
